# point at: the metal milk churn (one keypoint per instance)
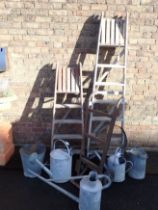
(138, 156)
(61, 163)
(90, 192)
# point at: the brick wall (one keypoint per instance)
(38, 33)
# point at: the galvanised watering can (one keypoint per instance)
(118, 165)
(61, 163)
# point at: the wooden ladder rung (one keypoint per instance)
(90, 163)
(68, 106)
(106, 101)
(68, 136)
(106, 119)
(68, 92)
(102, 65)
(67, 121)
(109, 84)
(95, 138)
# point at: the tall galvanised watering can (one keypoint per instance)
(138, 156)
(91, 190)
(61, 163)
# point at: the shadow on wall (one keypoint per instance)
(86, 45)
(36, 120)
(34, 124)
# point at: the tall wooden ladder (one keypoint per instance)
(109, 82)
(68, 120)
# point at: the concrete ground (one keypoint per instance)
(20, 193)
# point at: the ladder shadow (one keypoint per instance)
(34, 124)
(85, 46)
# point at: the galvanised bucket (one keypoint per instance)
(29, 153)
(138, 156)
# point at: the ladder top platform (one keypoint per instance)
(113, 32)
(68, 80)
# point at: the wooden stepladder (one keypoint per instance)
(109, 82)
(68, 105)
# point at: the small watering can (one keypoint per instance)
(118, 165)
(138, 156)
(91, 190)
(61, 163)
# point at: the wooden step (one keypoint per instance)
(67, 92)
(68, 106)
(111, 45)
(108, 93)
(109, 84)
(101, 65)
(68, 136)
(108, 119)
(67, 121)
(105, 101)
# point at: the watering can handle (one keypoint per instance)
(108, 182)
(118, 150)
(66, 144)
(130, 163)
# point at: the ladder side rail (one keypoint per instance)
(94, 79)
(54, 105)
(81, 95)
(109, 133)
(97, 57)
(108, 139)
(83, 143)
(125, 63)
